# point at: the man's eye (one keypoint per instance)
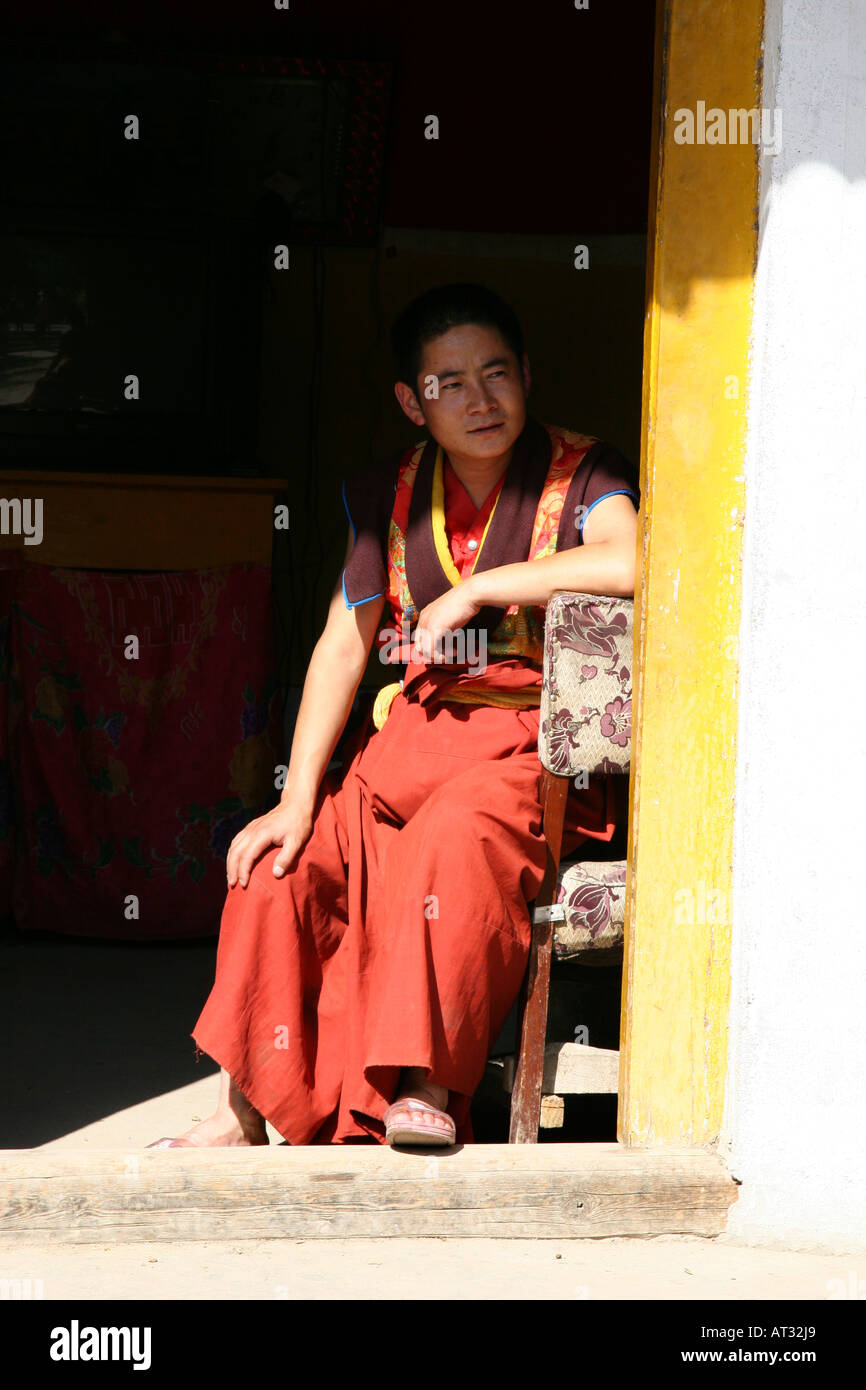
(451, 386)
(499, 372)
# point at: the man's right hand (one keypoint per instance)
(338, 662)
(287, 825)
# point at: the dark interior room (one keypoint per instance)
(210, 216)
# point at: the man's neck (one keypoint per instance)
(480, 476)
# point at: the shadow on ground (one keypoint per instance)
(95, 1027)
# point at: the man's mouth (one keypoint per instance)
(485, 429)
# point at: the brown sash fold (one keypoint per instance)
(602, 469)
(370, 500)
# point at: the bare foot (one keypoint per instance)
(234, 1123)
(224, 1130)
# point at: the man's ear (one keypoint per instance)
(409, 403)
(526, 374)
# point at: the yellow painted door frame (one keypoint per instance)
(701, 254)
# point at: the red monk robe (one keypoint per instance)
(400, 935)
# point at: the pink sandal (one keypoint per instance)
(403, 1133)
(172, 1144)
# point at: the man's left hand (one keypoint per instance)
(445, 615)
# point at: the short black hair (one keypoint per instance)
(437, 311)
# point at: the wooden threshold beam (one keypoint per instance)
(552, 1191)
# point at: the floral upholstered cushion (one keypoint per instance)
(586, 694)
(594, 899)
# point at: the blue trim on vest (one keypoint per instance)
(348, 513)
(358, 602)
(618, 492)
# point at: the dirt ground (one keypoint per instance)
(666, 1267)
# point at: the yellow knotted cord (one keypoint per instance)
(383, 703)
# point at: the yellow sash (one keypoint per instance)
(440, 535)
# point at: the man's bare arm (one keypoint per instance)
(604, 564)
(338, 662)
(333, 676)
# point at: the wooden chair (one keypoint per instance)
(578, 914)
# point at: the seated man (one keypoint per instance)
(375, 937)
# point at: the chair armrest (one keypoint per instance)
(587, 684)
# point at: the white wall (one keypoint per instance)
(796, 1104)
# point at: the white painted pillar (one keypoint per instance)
(796, 1103)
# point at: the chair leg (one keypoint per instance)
(532, 1031)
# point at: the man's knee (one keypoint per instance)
(493, 793)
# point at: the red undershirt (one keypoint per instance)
(463, 522)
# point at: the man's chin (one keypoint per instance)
(490, 441)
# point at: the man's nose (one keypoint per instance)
(481, 398)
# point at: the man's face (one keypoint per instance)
(481, 405)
